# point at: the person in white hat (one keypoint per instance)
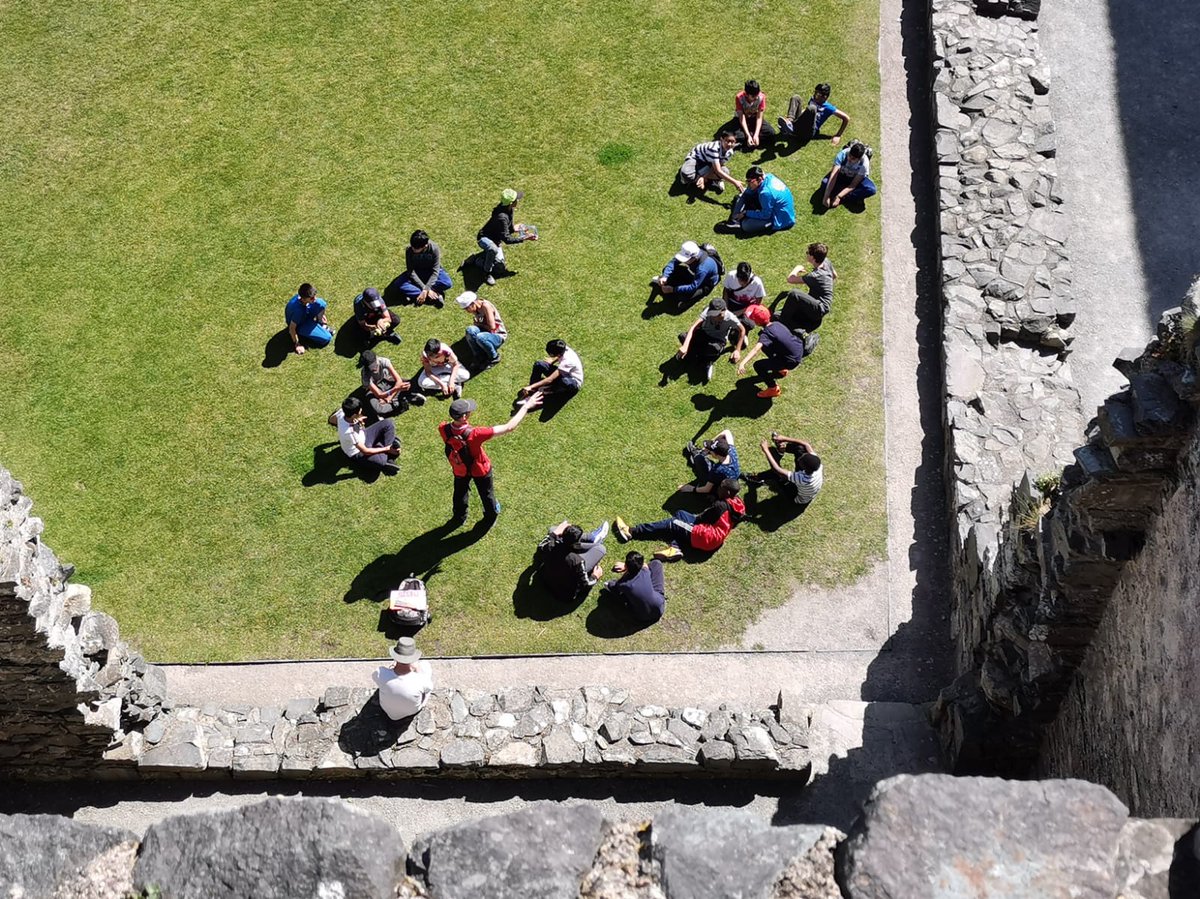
(404, 687)
(689, 276)
(488, 333)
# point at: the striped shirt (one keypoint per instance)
(808, 485)
(710, 153)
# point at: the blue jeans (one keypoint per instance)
(441, 284)
(491, 252)
(483, 344)
(673, 530)
(866, 188)
(314, 334)
(562, 384)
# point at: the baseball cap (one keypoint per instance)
(690, 250)
(508, 196)
(372, 298)
(718, 304)
(466, 298)
(460, 407)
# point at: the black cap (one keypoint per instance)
(461, 407)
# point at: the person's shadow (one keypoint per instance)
(610, 620)
(693, 194)
(421, 557)
(740, 402)
(371, 731)
(659, 303)
(472, 272)
(277, 348)
(330, 466)
(350, 339)
(673, 368)
(532, 600)
(772, 507)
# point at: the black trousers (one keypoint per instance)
(768, 369)
(487, 495)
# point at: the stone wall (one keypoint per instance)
(1063, 557)
(1131, 719)
(932, 836)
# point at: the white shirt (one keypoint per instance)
(753, 292)
(403, 695)
(570, 364)
(808, 485)
(349, 435)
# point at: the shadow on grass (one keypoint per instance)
(277, 348)
(740, 402)
(421, 557)
(693, 194)
(330, 466)
(610, 620)
(371, 731)
(779, 508)
(674, 368)
(661, 304)
(531, 600)
(350, 339)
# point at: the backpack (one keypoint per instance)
(408, 604)
(711, 252)
(457, 446)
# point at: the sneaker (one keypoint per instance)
(457, 391)
(752, 480)
(492, 363)
(690, 450)
(769, 393)
(623, 532)
(810, 344)
(600, 534)
(391, 469)
(489, 281)
(708, 373)
(393, 337)
(719, 187)
(669, 554)
(437, 301)
(416, 399)
(784, 372)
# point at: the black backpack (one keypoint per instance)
(711, 252)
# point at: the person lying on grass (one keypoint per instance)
(705, 532)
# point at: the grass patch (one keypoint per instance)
(173, 174)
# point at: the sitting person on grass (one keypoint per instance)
(708, 337)
(849, 179)
(744, 293)
(707, 164)
(716, 462)
(373, 316)
(487, 334)
(640, 588)
(370, 449)
(705, 532)
(559, 375)
(764, 207)
(571, 562)
(423, 280)
(804, 120)
(305, 318)
(441, 372)
(500, 229)
(783, 350)
(691, 275)
(805, 482)
(808, 310)
(749, 120)
(387, 392)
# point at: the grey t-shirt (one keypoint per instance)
(820, 285)
(381, 377)
(719, 330)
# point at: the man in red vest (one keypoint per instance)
(469, 460)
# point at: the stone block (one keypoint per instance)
(668, 759)
(753, 748)
(412, 759)
(516, 754)
(496, 856)
(462, 753)
(717, 754)
(560, 748)
(938, 837)
(275, 849)
(49, 855)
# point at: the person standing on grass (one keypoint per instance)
(707, 164)
(804, 120)
(850, 177)
(640, 588)
(441, 372)
(765, 206)
(468, 459)
(306, 322)
(783, 350)
(487, 334)
(808, 310)
(498, 230)
(705, 532)
(387, 392)
(405, 685)
(370, 449)
(424, 281)
(806, 481)
(560, 374)
(710, 334)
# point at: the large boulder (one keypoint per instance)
(541, 852)
(938, 837)
(45, 855)
(275, 849)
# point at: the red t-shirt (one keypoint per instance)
(455, 437)
(750, 107)
(709, 537)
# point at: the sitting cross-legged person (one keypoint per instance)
(709, 336)
(691, 275)
(369, 448)
(441, 372)
(373, 316)
(387, 392)
(423, 281)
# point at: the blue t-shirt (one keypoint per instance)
(299, 314)
(730, 469)
(823, 112)
(775, 204)
(781, 345)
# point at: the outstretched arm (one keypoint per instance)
(511, 424)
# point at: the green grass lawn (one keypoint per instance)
(172, 173)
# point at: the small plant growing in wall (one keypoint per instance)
(1047, 485)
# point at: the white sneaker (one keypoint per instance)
(708, 373)
(719, 187)
(601, 533)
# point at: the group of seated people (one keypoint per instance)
(570, 562)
